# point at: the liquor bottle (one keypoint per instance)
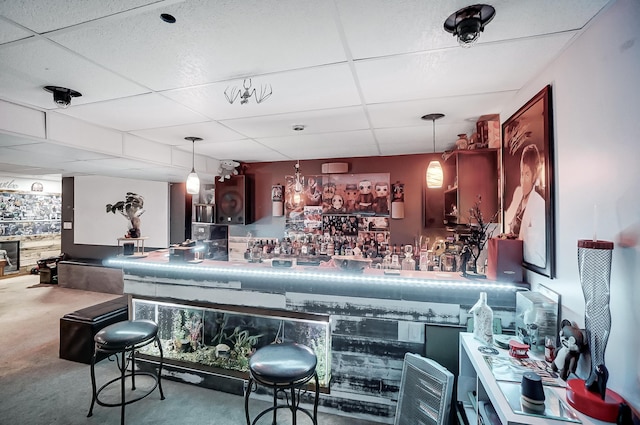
(482, 320)
(276, 248)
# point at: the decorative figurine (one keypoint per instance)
(365, 198)
(571, 344)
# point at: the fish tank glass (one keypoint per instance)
(224, 339)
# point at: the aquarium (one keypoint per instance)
(223, 339)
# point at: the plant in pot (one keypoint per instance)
(131, 208)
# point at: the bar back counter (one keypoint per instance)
(212, 315)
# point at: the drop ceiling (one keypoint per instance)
(358, 74)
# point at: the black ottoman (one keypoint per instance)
(283, 367)
(78, 329)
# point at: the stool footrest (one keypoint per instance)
(128, 375)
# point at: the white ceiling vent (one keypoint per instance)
(335, 167)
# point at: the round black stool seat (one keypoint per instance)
(284, 368)
(283, 363)
(122, 340)
(120, 335)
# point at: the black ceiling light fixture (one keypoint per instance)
(468, 22)
(62, 95)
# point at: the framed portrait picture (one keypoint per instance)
(527, 155)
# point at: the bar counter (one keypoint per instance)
(375, 318)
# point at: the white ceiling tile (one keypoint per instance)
(21, 120)
(350, 143)
(462, 110)
(246, 148)
(422, 22)
(73, 132)
(320, 121)
(518, 19)
(32, 171)
(135, 113)
(10, 139)
(394, 27)
(47, 15)
(11, 32)
(330, 86)
(455, 72)
(137, 147)
(418, 139)
(242, 38)
(27, 66)
(54, 152)
(174, 136)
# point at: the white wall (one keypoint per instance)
(596, 103)
(94, 226)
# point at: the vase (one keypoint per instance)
(482, 320)
(594, 267)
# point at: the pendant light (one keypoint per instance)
(435, 176)
(193, 182)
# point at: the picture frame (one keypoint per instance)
(528, 212)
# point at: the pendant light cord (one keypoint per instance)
(193, 156)
(433, 121)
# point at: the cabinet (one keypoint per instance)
(477, 387)
(472, 173)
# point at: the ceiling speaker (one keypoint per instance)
(335, 167)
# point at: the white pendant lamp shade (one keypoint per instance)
(193, 181)
(434, 175)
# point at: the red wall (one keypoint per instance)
(408, 169)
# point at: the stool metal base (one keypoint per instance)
(290, 388)
(125, 359)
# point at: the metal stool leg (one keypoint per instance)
(160, 367)
(246, 400)
(294, 406)
(123, 371)
(93, 384)
(317, 398)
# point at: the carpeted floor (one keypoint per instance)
(39, 388)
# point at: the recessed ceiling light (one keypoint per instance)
(169, 19)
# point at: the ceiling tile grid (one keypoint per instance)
(357, 74)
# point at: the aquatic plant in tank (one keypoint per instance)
(226, 340)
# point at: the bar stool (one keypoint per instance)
(283, 367)
(125, 338)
